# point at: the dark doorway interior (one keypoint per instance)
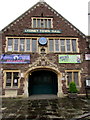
(42, 82)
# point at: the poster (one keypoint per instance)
(69, 59)
(14, 58)
(87, 56)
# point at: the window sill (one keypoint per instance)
(16, 88)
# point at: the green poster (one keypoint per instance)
(69, 59)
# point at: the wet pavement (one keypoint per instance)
(45, 109)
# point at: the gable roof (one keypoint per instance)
(50, 8)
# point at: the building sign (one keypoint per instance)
(87, 56)
(15, 59)
(41, 31)
(69, 59)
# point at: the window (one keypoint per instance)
(34, 45)
(22, 44)
(27, 44)
(11, 79)
(51, 45)
(69, 77)
(73, 76)
(8, 78)
(15, 44)
(49, 23)
(31, 44)
(34, 23)
(10, 43)
(41, 22)
(38, 23)
(56, 45)
(68, 45)
(15, 78)
(74, 47)
(63, 45)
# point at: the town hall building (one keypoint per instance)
(42, 52)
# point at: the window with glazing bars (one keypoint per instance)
(12, 79)
(41, 22)
(63, 45)
(73, 76)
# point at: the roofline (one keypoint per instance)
(72, 26)
(19, 17)
(67, 21)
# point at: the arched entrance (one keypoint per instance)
(42, 82)
(29, 74)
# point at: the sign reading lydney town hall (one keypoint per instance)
(41, 31)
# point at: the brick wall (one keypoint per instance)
(17, 27)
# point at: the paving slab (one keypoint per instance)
(45, 108)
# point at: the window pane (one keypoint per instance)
(62, 43)
(51, 45)
(27, 44)
(74, 45)
(76, 78)
(34, 23)
(10, 42)
(34, 45)
(56, 45)
(42, 23)
(22, 44)
(69, 77)
(68, 45)
(15, 44)
(8, 78)
(49, 23)
(45, 23)
(15, 78)
(38, 23)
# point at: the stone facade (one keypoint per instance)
(49, 60)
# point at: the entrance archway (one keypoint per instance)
(42, 82)
(54, 70)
